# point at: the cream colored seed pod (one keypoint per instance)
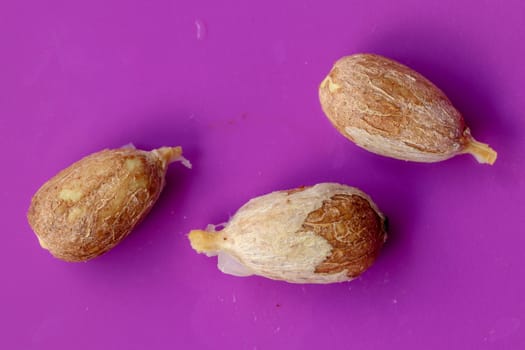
(89, 207)
(389, 109)
(321, 234)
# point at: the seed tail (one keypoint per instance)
(169, 155)
(205, 242)
(481, 151)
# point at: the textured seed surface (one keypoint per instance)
(321, 234)
(390, 109)
(353, 229)
(89, 207)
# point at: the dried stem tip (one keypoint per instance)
(204, 241)
(483, 153)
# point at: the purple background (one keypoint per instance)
(235, 83)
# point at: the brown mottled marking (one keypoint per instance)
(354, 230)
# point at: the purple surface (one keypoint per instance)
(236, 85)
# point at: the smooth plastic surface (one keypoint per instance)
(235, 83)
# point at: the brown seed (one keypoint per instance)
(89, 207)
(321, 234)
(389, 109)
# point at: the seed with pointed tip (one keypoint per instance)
(89, 207)
(389, 109)
(320, 234)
